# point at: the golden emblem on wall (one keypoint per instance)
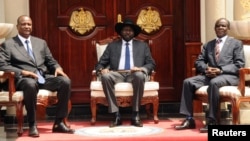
(246, 6)
(149, 20)
(81, 21)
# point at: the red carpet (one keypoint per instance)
(168, 133)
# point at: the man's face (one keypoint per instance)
(221, 28)
(127, 33)
(24, 26)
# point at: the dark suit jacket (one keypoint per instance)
(230, 60)
(141, 56)
(14, 57)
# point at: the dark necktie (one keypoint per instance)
(127, 57)
(217, 49)
(41, 79)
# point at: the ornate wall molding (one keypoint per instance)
(149, 20)
(81, 21)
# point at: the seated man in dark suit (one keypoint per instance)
(219, 64)
(34, 66)
(125, 54)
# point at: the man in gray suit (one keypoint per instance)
(34, 66)
(218, 64)
(140, 63)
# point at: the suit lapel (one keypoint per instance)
(214, 49)
(20, 47)
(135, 50)
(226, 45)
(34, 47)
(119, 50)
(225, 48)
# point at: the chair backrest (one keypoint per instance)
(247, 55)
(246, 49)
(102, 44)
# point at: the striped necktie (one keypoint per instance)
(41, 79)
(217, 49)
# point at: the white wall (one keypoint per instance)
(211, 10)
(10, 10)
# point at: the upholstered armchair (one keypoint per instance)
(12, 97)
(123, 91)
(233, 94)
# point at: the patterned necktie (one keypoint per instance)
(217, 49)
(127, 57)
(41, 79)
(29, 50)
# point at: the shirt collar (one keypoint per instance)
(124, 42)
(223, 39)
(23, 39)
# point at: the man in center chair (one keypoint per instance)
(139, 65)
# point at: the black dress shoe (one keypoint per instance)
(62, 128)
(186, 124)
(205, 128)
(136, 122)
(33, 132)
(117, 122)
(136, 119)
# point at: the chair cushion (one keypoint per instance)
(46, 93)
(95, 93)
(124, 89)
(224, 91)
(123, 86)
(17, 96)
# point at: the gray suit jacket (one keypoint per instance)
(141, 56)
(230, 60)
(14, 57)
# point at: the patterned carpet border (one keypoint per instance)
(119, 131)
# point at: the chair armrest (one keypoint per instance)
(152, 76)
(10, 76)
(94, 76)
(194, 72)
(242, 74)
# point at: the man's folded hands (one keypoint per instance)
(212, 72)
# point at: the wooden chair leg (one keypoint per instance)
(65, 120)
(155, 110)
(155, 104)
(197, 106)
(93, 111)
(219, 113)
(0, 109)
(19, 117)
(235, 112)
(40, 112)
(148, 110)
